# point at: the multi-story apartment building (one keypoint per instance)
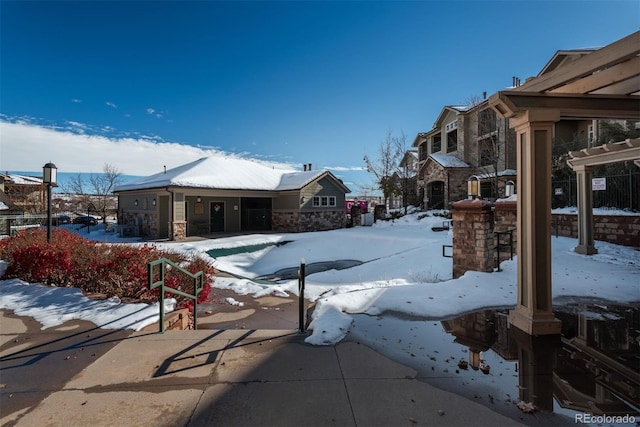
(466, 141)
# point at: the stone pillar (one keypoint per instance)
(585, 211)
(533, 313)
(473, 238)
(179, 230)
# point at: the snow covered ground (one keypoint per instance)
(403, 273)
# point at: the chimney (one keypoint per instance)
(309, 166)
(165, 168)
(305, 167)
(484, 95)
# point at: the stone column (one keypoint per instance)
(473, 238)
(533, 313)
(585, 211)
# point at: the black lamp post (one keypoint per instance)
(50, 175)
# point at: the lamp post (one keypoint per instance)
(50, 174)
(473, 187)
(509, 188)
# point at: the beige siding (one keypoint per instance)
(287, 201)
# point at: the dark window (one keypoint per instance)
(487, 121)
(452, 141)
(437, 143)
(487, 150)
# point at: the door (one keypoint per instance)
(163, 217)
(217, 217)
(436, 195)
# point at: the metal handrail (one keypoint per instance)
(198, 284)
(301, 306)
(501, 245)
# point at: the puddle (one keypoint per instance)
(221, 252)
(312, 268)
(592, 368)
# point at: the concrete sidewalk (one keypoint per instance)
(235, 378)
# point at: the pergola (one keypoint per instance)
(604, 84)
(582, 163)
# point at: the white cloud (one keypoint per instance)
(346, 168)
(150, 111)
(76, 100)
(111, 104)
(26, 147)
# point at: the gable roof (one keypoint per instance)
(448, 161)
(563, 57)
(446, 110)
(227, 173)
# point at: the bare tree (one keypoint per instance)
(74, 185)
(385, 167)
(102, 186)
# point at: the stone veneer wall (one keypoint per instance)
(285, 221)
(473, 237)
(179, 230)
(506, 217)
(618, 229)
(322, 220)
(295, 221)
(147, 222)
(455, 182)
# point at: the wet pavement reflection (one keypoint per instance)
(593, 367)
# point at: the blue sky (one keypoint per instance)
(146, 84)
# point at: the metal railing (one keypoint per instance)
(301, 305)
(502, 246)
(621, 192)
(198, 284)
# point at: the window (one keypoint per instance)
(324, 201)
(452, 141)
(437, 143)
(487, 152)
(487, 122)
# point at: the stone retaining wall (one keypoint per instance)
(476, 222)
(618, 229)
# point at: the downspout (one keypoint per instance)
(171, 207)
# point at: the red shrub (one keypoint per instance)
(110, 269)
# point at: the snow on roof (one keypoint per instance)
(448, 161)
(23, 179)
(3, 207)
(295, 180)
(506, 172)
(461, 108)
(225, 173)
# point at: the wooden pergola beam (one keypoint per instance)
(614, 53)
(616, 75)
(511, 103)
(627, 150)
